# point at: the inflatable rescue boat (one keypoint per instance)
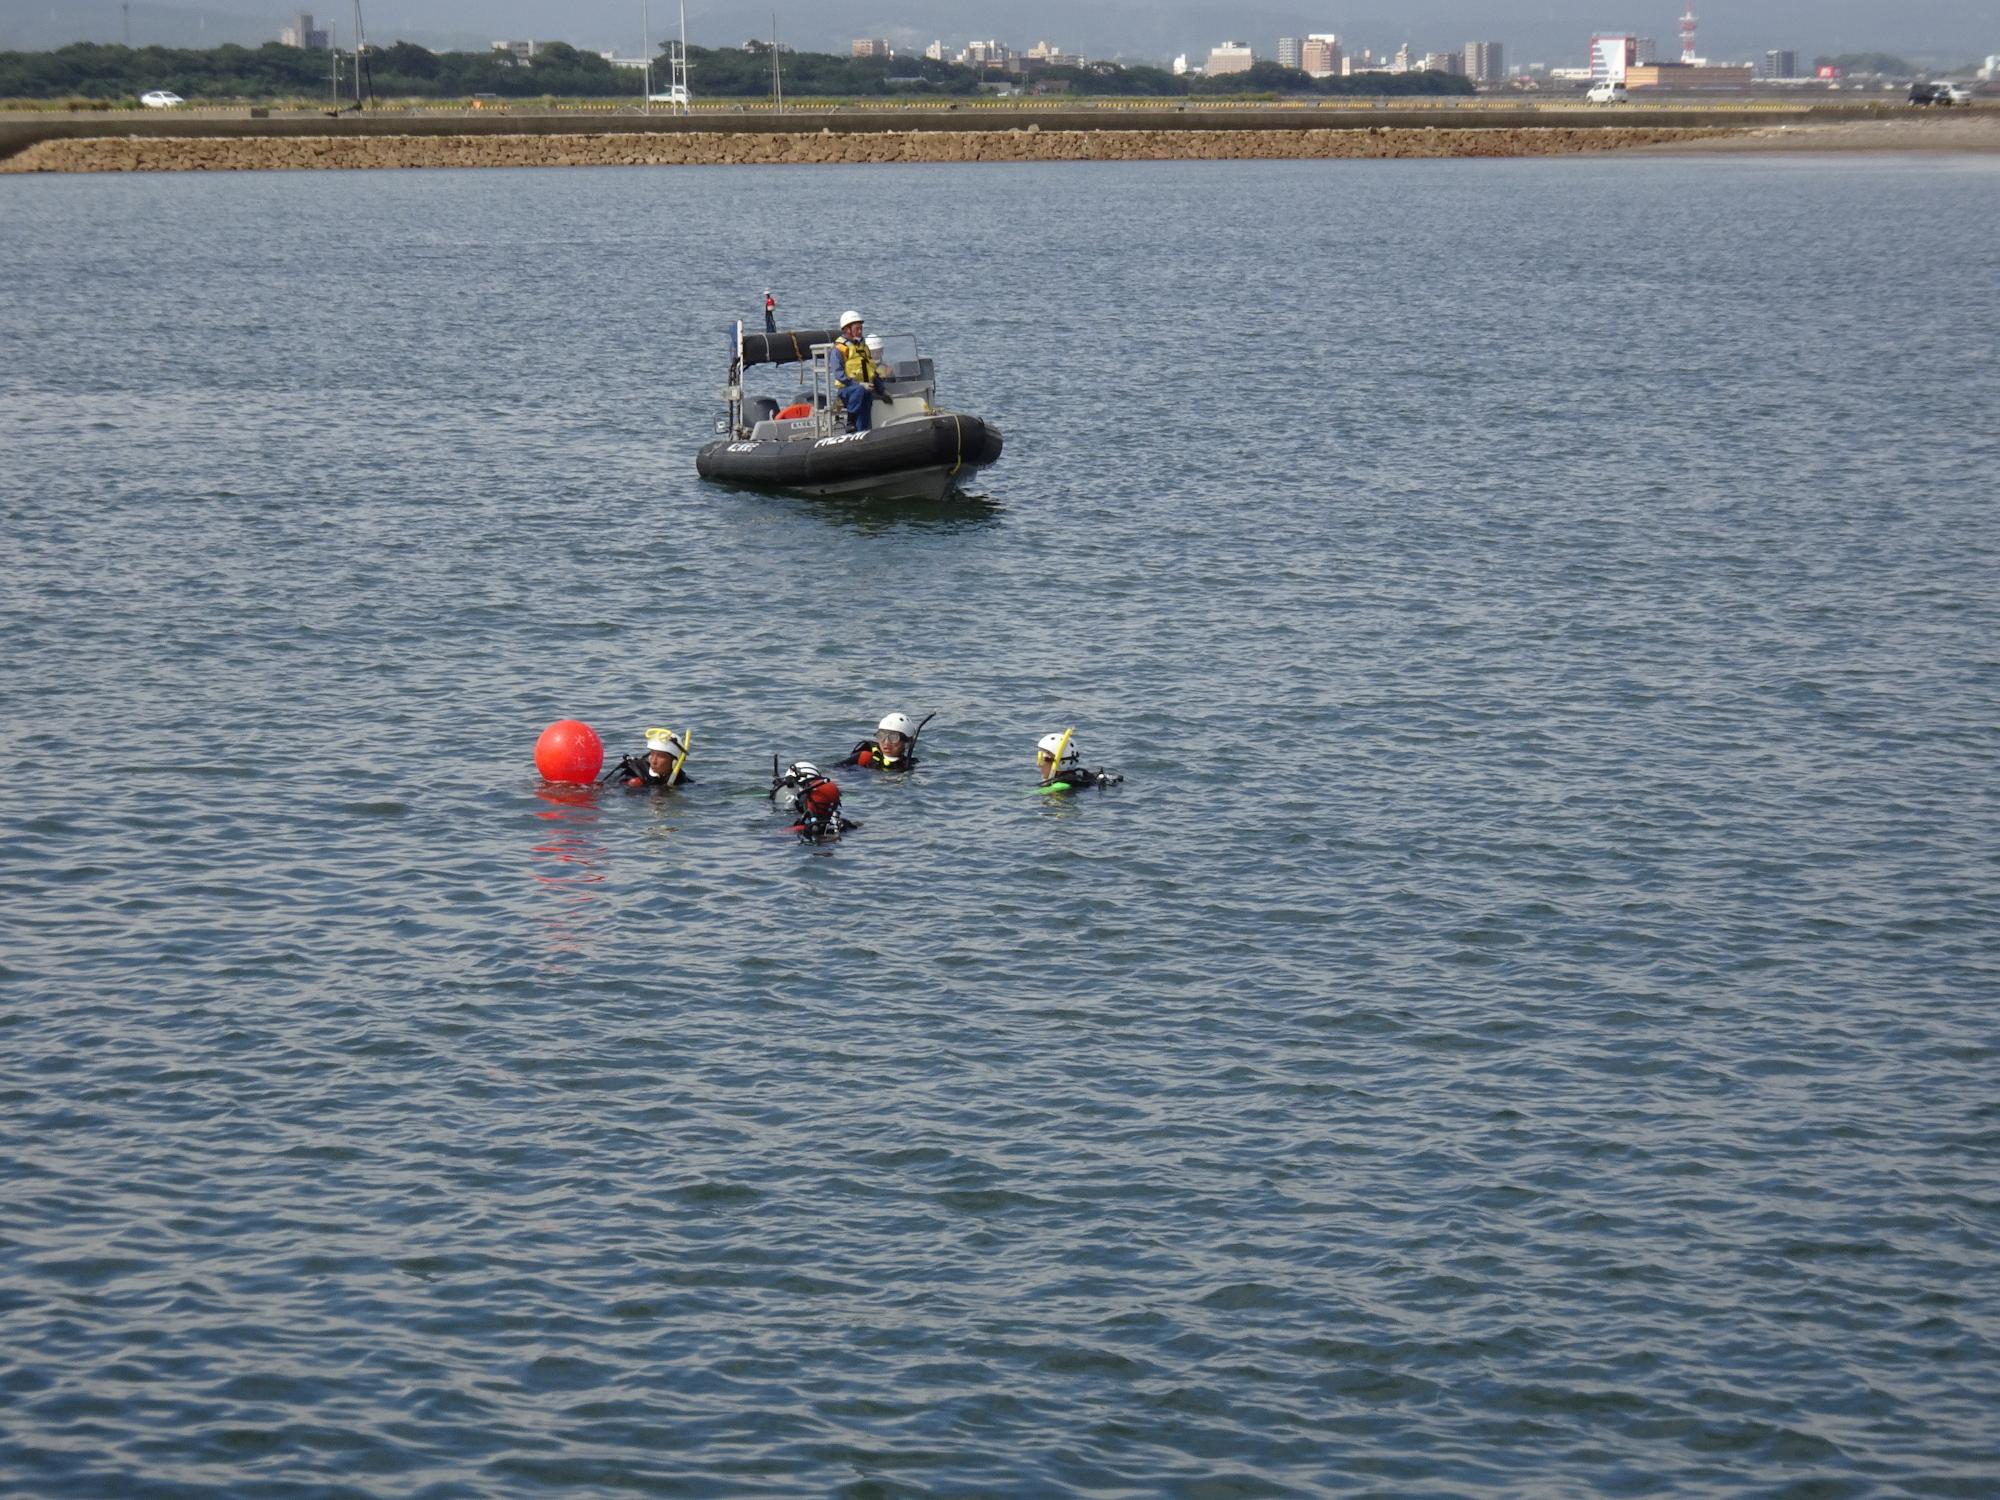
(802, 443)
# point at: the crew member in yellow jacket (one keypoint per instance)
(858, 380)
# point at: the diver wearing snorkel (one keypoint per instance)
(894, 747)
(661, 767)
(1061, 766)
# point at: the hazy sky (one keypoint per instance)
(1552, 31)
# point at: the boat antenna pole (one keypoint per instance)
(646, 51)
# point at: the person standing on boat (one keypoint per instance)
(770, 312)
(858, 380)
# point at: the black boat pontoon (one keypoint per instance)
(912, 450)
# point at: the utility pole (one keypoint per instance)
(360, 44)
(777, 68)
(646, 50)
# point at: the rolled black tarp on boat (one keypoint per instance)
(785, 347)
(949, 441)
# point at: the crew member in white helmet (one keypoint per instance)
(1061, 765)
(894, 747)
(663, 764)
(858, 380)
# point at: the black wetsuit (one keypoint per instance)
(1076, 779)
(637, 773)
(873, 753)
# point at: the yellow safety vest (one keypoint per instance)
(860, 364)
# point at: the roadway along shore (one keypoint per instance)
(213, 143)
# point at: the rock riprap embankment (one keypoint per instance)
(183, 154)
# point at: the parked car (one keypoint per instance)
(161, 99)
(1939, 93)
(1607, 93)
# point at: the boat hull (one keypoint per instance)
(919, 458)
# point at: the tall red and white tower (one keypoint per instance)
(1687, 34)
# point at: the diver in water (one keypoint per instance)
(894, 747)
(811, 798)
(661, 766)
(1056, 757)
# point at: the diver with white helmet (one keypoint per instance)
(1061, 766)
(661, 766)
(857, 378)
(894, 747)
(812, 798)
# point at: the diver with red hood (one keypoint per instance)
(813, 799)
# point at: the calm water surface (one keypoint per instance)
(1525, 1026)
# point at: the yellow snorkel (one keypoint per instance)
(687, 744)
(1055, 759)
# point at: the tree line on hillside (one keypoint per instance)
(88, 70)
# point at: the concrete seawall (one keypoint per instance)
(160, 153)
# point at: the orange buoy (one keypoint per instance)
(569, 750)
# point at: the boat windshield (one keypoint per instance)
(899, 350)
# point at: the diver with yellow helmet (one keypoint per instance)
(1061, 766)
(660, 767)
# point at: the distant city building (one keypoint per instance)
(935, 51)
(1181, 66)
(872, 46)
(1230, 57)
(1610, 56)
(1990, 69)
(1679, 76)
(520, 51)
(1443, 62)
(1780, 64)
(989, 54)
(1483, 63)
(1320, 55)
(302, 33)
(1645, 50)
(634, 64)
(1048, 55)
(1288, 52)
(1402, 62)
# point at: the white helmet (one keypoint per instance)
(1050, 744)
(801, 771)
(665, 741)
(850, 316)
(895, 724)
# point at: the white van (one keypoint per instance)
(1607, 93)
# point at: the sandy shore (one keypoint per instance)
(183, 154)
(1974, 130)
